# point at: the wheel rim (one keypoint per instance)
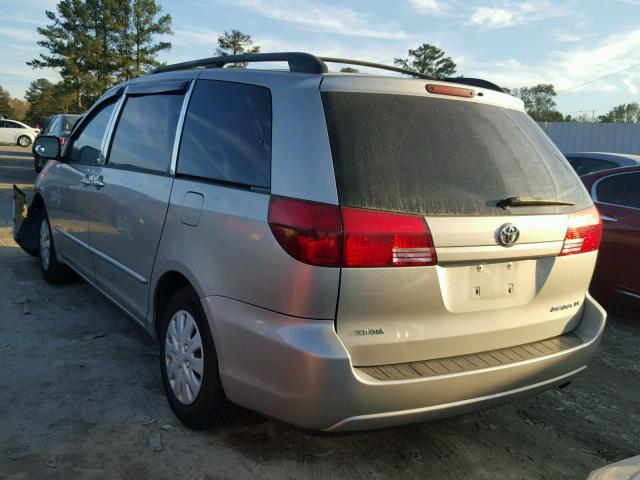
(23, 141)
(45, 244)
(184, 357)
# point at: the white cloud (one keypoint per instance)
(427, 7)
(568, 37)
(492, 17)
(322, 17)
(18, 34)
(633, 88)
(570, 67)
(190, 36)
(508, 14)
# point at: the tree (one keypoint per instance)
(236, 43)
(349, 70)
(66, 40)
(428, 59)
(46, 98)
(5, 103)
(629, 113)
(95, 43)
(137, 47)
(539, 102)
(20, 108)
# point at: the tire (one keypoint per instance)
(37, 164)
(24, 141)
(52, 270)
(198, 407)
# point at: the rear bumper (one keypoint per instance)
(299, 371)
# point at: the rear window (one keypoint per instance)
(443, 157)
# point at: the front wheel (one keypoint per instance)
(189, 364)
(24, 141)
(52, 270)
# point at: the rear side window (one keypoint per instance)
(610, 189)
(143, 139)
(631, 196)
(227, 134)
(443, 157)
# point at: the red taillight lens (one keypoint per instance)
(584, 232)
(383, 239)
(309, 232)
(329, 236)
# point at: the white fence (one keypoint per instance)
(594, 137)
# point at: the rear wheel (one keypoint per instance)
(24, 141)
(52, 270)
(189, 364)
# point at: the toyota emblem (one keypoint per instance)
(508, 235)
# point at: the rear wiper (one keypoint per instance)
(529, 202)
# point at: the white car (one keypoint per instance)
(14, 132)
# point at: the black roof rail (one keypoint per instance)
(301, 62)
(298, 62)
(379, 66)
(476, 82)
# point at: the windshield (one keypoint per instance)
(443, 157)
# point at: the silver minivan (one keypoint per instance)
(338, 251)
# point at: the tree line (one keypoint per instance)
(94, 44)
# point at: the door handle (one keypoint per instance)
(607, 218)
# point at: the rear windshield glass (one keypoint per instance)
(443, 157)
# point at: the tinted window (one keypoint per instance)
(86, 146)
(442, 157)
(610, 189)
(68, 123)
(13, 124)
(631, 196)
(144, 136)
(51, 128)
(227, 134)
(584, 166)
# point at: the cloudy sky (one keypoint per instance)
(513, 43)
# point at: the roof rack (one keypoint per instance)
(298, 62)
(379, 66)
(301, 62)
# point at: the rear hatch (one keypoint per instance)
(451, 160)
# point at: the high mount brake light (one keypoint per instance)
(451, 91)
(584, 232)
(330, 236)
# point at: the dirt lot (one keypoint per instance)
(80, 397)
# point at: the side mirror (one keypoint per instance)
(47, 146)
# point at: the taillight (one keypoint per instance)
(308, 231)
(325, 235)
(62, 140)
(384, 239)
(584, 232)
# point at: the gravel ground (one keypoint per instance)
(81, 397)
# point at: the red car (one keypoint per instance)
(616, 193)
